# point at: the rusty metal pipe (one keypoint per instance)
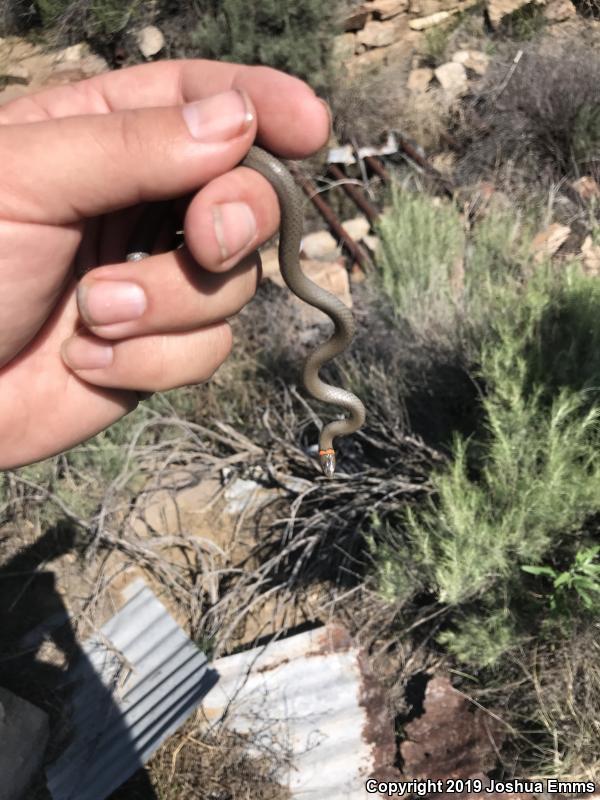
(415, 156)
(377, 167)
(328, 214)
(354, 193)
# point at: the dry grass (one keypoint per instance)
(196, 764)
(367, 105)
(537, 116)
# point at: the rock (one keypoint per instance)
(498, 10)
(453, 79)
(397, 53)
(444, 163)
(357, 227)
(587, 188)
(269, 259)
(45, 68)
(344, 47)
(372, 243)
(377, 34)
(403, 50)
(422, 23)
(150, 41)
(356, 19)
(419, 80)
(559, 10)
(377, 57)
(331, 276)
(425, 8)
(591, 257)
(17, 72)
(549, 241)
(450, 738)
(385, 9)
(320, 245)
(76, 52)
(474, 60)
(23, 739)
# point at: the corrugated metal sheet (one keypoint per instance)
(137, 682)
(311, 695)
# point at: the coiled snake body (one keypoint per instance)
(290, 236)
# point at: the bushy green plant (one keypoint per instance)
(520, 489)
(525, 23)
(534, 478)
(293, 35)
(544, 124)
(586, 133)
(480, 640)
(88, 17)
(421, 252)
(580, 579)
(436, 41)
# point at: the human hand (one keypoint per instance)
(78, 164)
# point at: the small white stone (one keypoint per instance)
(74, 53)
(423, 23)
(320, 245)
(16, 71)
(377, 34)
(474, 60)
(150, 41)
(452, 78)
(357, 227)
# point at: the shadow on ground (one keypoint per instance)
(33, 617)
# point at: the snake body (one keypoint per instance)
(290, 236)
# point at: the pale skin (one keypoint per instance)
(78, 162)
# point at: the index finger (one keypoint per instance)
(292, 121)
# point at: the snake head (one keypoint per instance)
(327, 458)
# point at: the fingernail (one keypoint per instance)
(218, 118)
(105, 302)
(235, 227)
(81, 353)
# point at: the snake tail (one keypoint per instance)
(290, 203)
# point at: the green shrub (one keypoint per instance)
(480, 640)
(525, 23)
(421, 252)
(534, 478)
(545, 120)
(521, 489)
(292, 35)
(296, 37)
(87, 18)
(580, 581)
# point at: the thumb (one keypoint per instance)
(62, 170)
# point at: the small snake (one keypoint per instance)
(290, 236)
